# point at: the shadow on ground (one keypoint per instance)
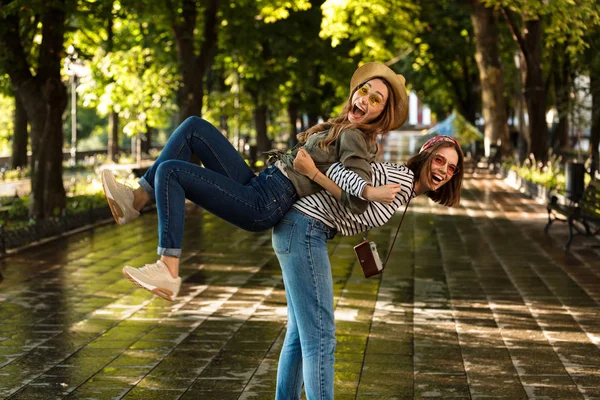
(477, 302)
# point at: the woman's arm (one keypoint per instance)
(345, 180)
(304, 164)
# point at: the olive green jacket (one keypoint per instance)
(351, 149)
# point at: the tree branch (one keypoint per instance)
(509, 16)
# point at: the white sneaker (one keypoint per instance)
(155, 278)
(120, 199)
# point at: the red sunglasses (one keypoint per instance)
(439, 161)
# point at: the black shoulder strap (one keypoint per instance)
(398, 230)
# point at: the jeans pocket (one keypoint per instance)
(282, 236)
(322, 228)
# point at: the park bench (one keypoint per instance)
(583, 217)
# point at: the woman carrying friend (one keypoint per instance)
(300, 242)
(225, 186)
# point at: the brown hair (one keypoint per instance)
(382, 124)
(449, 193)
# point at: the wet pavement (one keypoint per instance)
(476, 303)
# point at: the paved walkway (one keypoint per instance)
(477, 303)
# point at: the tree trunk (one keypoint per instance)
(562, 88)
(464, 92)
(45, 100)
(138, 148)
(535, 91)
(492, 78)
(194, 67)
(260, 122)
(50, 154)
(313, 118)
(595, 131)
(224, 125)
(147, 139)
(530, 43)
(293, 118)
(113, 136)
(113, 116)
(20, 137)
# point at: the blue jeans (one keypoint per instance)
(225, 185)
(300, 243)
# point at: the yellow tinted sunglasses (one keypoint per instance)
(374, 99)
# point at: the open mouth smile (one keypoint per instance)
(437, 179)
(357, 111)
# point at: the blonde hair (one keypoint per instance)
(382, 124)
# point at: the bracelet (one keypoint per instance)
(315, 175)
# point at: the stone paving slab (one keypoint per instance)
(477, 303)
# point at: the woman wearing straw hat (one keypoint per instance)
(228, 188)
(300, 242)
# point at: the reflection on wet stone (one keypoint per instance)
(477, 302)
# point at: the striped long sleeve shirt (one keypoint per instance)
(325, 208)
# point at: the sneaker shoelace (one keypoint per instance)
(124, 186)
(152, 269)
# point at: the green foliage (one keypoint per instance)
(379, 29)
(7, 110)
(14, 174)
(82, 203)
(442, 67)
(134, 74)
(17, 214)
(89, 124)
(221, 110)
(277, 64)
(275, 10)
(139, 89)
(19, 208)
(550, 174)
(565, 21)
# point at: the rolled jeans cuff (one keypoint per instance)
(168, 252)
(147, 187)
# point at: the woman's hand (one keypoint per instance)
(304, 164)
(382, 194)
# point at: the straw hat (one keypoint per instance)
(372, 70)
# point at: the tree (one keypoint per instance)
(430, 43)
(591, 59)
(257, 43)
(491, 77)
(18, 158)
(43, 95)
(193, 63)
(529, 39)
(134, 76)
(113, 115)
(540, 28)
(16, 133)
(20, 134)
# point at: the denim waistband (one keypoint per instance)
(315, 223)
(285, 182)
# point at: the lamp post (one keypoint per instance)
(521, 143)
(75, 69)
